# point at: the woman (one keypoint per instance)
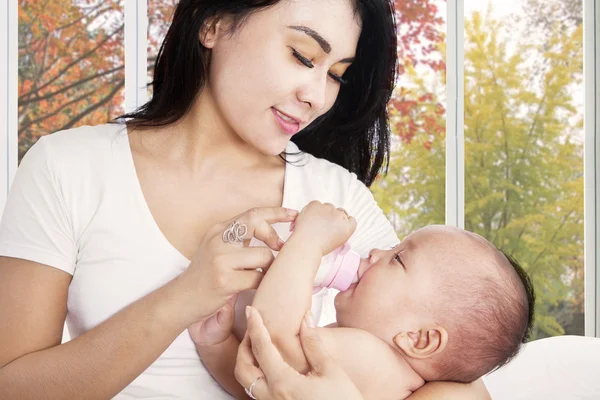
(129, 217)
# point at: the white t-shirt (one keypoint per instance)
(76, 205)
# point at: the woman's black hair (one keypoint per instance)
(355, 133)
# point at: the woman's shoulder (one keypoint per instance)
(73, 149)
(320, 176)
(85, 138)
(312, 164)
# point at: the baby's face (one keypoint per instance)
(396, 293)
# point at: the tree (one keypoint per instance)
(70, 65)
(523, 159)
(421, 38)
(160, 15)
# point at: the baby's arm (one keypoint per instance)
(285, 293)
(284, 296)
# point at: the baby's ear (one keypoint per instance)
(424, 343)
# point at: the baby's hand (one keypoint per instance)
(324, 226)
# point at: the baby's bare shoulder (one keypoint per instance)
(376, 369)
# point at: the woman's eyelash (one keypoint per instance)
(338, 78)
(303, 59)
(309, 64)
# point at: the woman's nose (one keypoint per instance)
(313, 93)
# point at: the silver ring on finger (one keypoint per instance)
(249, 390)
(234, 234)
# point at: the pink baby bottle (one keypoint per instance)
(338, 269)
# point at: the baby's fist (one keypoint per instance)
(324, 225)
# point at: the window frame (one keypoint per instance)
(591, 67)
(8, 98)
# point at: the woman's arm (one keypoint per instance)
(104, 360)
(96, 365)
(452, 391)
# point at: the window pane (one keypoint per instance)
(413, 193)
(70, 65)
(524, 145)
(160, 13)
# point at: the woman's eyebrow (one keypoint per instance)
(315, 35)
(320, 40)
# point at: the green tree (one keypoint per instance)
(523, 159)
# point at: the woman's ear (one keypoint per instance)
(211, 29)
(423, 343)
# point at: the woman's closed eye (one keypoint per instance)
(308, 63)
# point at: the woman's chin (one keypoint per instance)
(273, 147)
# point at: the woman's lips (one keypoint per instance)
(289, 127)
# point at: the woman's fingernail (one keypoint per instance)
(292, 213)
(292, 225)
(280, 243)
(247, 312)
(373, 259)
(310, 321)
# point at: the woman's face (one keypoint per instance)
(281, 69)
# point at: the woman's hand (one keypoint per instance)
(224, 264)
(215, 329)
(324, 225)
(277, 380)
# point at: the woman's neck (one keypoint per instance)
(203, 141)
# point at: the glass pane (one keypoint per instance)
(160, 14)
(71, 69)
(413, 193)
(524, 145)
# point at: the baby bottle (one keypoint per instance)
(338, 269)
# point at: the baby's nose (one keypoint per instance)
(367, 263)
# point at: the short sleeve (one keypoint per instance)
(35, 224)
(373, 230)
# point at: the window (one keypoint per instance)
(523, 124)
(413, 193)
(70, 65)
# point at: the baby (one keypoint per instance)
(444, 305)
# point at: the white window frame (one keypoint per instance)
(136, 28)
(591, 18)
(136, 53)
(455, 121)
(8, 96)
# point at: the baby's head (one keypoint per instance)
(453, 304)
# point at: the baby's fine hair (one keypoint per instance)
(495, 319)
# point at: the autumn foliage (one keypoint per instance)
(71, 68)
